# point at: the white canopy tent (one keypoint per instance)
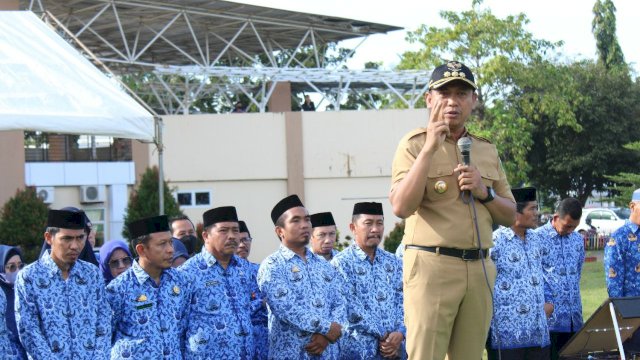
(47, 85)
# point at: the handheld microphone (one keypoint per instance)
(464, 145)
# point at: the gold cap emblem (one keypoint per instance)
(176, 289)
(142, 298)
(440, 187)
(612, 273)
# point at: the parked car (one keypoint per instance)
(605, 220)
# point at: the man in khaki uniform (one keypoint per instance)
(447, 275)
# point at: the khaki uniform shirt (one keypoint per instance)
(442, 218)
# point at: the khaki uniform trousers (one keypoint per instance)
(447, 305)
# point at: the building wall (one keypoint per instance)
(242, 160)
(12, 163)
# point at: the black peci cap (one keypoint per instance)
(369, 208)
(525, 194)
(283, 205)
(66, 219)
(243, 227)
(148, 226)
(322, 219)
(219, 214)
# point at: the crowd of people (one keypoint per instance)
(454, 288)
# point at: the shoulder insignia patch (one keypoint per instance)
(612, 273)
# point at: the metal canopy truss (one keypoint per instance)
(193, 49)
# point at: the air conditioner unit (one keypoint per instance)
(46, 193)
(92, 193)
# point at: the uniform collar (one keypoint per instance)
(288, 254)
(361, 255)
(633, 226)
(211, 260)
(47, 261)
(142, 275)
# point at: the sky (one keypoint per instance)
(553, 20)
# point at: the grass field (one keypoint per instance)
(592, 285)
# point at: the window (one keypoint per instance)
(97, 221)
(194, 198)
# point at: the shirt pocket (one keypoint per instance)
(442, 182)
(488, 171)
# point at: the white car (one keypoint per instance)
(605, 220)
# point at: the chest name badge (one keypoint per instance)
(440, 187)
(632, 237)
(176, 289)
(145, 306)
(142, 298)
(295, 269)
(212, 283)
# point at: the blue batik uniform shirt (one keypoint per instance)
(519, 320)
(149, 320)
(220, 315)
(375, 301)
(8, 349)
(259, 319)
(622, 261)
(62, 319)
(304, 297)
(562, 261)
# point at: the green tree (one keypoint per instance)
(23, 221)
(626, 182)
(501, 53)
(144, 201)
(570, 160)
(394, 239)
(604, 30)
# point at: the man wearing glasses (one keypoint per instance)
(150, 301)
(323, 235)
(60, 307)
(220, 311)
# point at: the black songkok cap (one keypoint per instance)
(65, 219)
(283, 205)
(524, 194)
(369, 208)
(219, 214)
(322, 219)
(451, 71)
(243, 227)
(148, 226)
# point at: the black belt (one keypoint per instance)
(466, 255)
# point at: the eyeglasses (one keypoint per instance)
(124, 262)
(13, 267)
(246, 240)
(323, 235)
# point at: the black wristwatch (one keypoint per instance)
(491, 194)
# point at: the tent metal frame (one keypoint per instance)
(193, 49)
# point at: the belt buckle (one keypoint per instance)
(467, 255)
